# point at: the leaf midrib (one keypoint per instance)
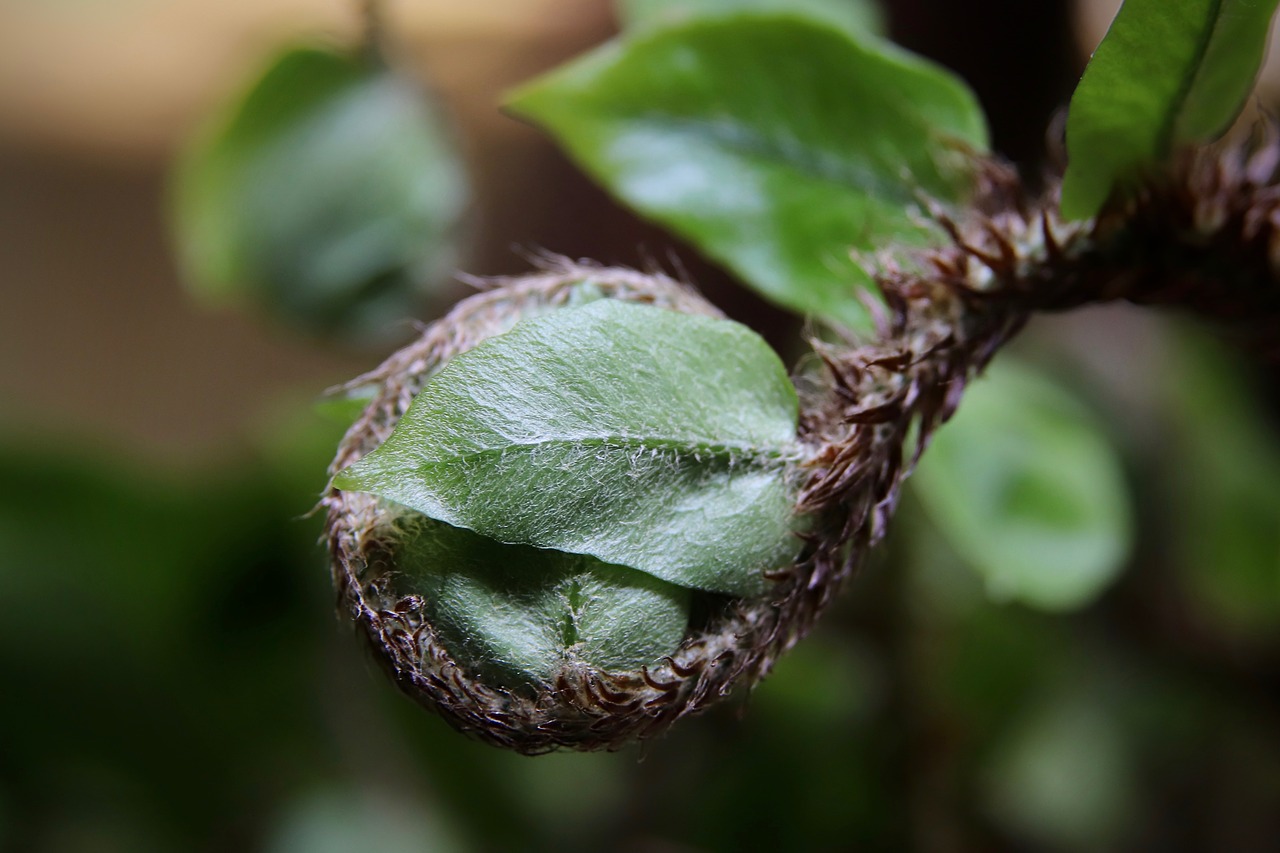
(764, 457)
(1188, 81)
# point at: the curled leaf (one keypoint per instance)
(640, 436)
(522, 614)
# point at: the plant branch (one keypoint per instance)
(1206, 238)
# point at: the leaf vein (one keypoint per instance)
(1188, 81)
(765, 457)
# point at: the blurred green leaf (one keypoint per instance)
(178, 606)
(819, 723)
(343, 408)
(665, 451)
(856, 16)
(828, 684)
(569, 797)
(132, 528)
(1062, 777)
(524, 613)
(346, 819)
(774, 144)
(1226, 534)
(1025, 485)
(329, 195)
(1168, 72)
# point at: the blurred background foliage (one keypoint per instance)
(174, 678)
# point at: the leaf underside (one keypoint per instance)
(521, 614)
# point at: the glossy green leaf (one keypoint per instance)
(775, 144)
(641, 436)
(856, 16)
(521, 614)
(1028, 490)
(329, 196)
(1168, 72)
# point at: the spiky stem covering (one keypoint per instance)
(1206, 238)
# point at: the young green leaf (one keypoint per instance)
(775, 144)
(521, 613)
(640, 436)
(1029, 491)
(856, 16)
(329, 195)
(1168, 72)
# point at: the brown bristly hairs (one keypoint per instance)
(1205, 236)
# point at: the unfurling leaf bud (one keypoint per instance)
(563, 517)
(584, 505)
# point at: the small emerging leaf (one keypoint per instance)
(773, 143)
(1028, 490)
(523, 613)
(329, 195)
(1168, 72)
(640, 436)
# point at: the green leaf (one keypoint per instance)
(345, 407)
(1063, 774)
(521, 614)
(641, 436)
(1226, 529)
(1168, 72)
(774, 144)
(1028, 490)
(329, 195)
(339, 818)
(855, 16)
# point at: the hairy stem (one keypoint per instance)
(1205, 239)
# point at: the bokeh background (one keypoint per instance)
(172, 676)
